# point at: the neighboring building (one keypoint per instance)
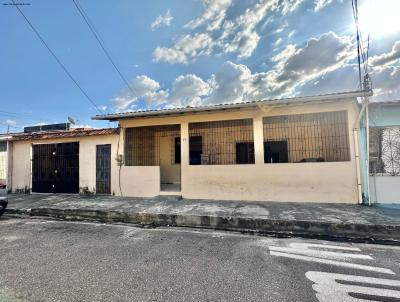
(298, 149)
(63, 161)
(384, 153)
(3, 159)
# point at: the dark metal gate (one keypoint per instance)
(103, 169)
(55, 168)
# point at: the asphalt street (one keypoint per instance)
(45, 260)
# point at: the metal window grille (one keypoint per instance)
(311, 137)
(142, 144)
(384, 151)
(221, 142)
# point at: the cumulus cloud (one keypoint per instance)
(186, 49)
(384, 72)
(387, 58)
(239, 35)
(385, 82)
(162, 21)
(213, 14)
(292, 68)
(235, 35)
(320, 55)
(145, 89)
(188, 90)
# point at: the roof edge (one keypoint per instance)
(219, 107)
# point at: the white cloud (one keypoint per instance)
(145, 89)
(239, 35)
(385, 82)
(293, 68)
(222, 35)
(384, 72)
(289, 6)
(278, 42)
(213, 14)
(188, 90)
(11, 123)
(186, 49)
(320, 4)
(162, 21)
(387, 58)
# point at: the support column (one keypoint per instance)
(184, 154)
(258, 140)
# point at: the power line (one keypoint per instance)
(362, 52)
(57, 59)
(99, 40)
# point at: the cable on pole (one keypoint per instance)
(57, 59)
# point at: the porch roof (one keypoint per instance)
(332, 97)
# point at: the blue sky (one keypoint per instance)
(192, 52)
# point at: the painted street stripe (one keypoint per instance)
(330, 287)
(333, 262)
(319, 253)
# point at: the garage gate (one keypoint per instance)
(55, 168)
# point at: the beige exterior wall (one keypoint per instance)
(303, 182)
(140, 181)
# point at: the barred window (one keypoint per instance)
(384, 151)
(144, 145)
(311, 137)
(221, 142)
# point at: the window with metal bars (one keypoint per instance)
(221, 142)
(311, 137)
(384, 151)
(143, 147)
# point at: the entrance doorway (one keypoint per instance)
(170, 163)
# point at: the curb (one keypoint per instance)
(384, 234)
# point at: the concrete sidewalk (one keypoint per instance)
(330, 221)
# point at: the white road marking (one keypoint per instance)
(305, 250)
(329, 290)
(333, 262)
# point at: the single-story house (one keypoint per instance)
(296, 149)
(303, 149)
(383, 170)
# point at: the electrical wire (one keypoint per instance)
(57, 59)
(98, 38)
(362, 52)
